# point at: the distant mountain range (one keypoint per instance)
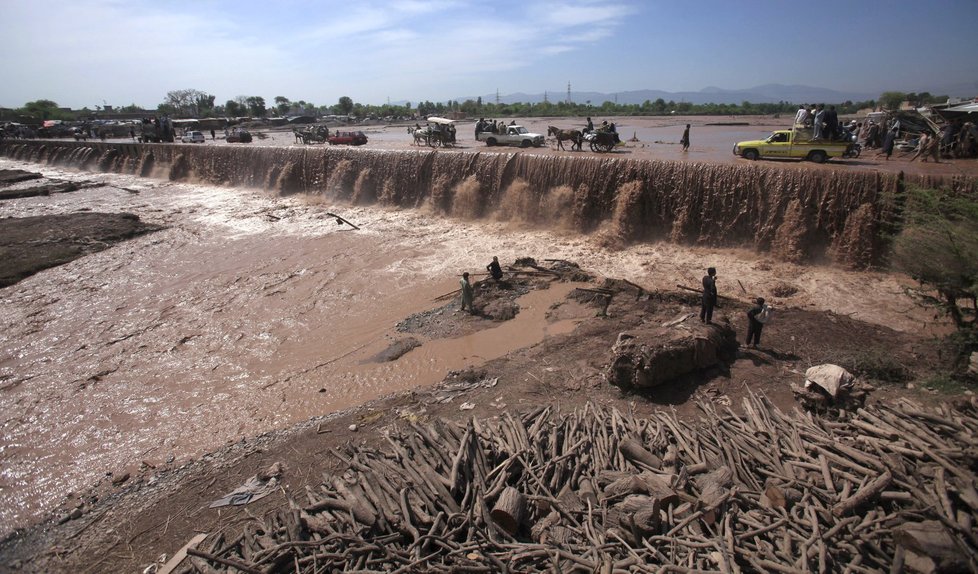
(768, 93)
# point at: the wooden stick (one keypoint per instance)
(341, 219)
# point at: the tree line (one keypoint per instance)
(191, 103)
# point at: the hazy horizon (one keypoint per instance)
(97, 52)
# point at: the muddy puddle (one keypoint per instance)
(250, 312)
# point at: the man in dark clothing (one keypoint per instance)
(756, 317)
(832, 123)
(709, 295)
(685, 139)
(888, 143)
(494, 269)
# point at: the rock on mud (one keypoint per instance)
(32, 244)
(650, 356)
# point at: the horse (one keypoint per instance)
(421, 135)
(573, 135)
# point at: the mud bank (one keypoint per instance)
(796, 215)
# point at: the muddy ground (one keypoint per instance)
(136, 512)
(126, 526)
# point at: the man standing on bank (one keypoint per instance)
(466, 294)
(685, 139)
(709, 295)
(495, 271)
(757, 316)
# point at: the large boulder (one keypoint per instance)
(650, 356)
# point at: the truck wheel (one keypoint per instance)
(818, 156)
(525, 143)
(491, 142)
(751, 154)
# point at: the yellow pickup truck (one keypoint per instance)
(795, 144)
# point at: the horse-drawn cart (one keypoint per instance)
(602, 141)
(439, 132)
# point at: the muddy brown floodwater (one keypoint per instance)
(249, 312)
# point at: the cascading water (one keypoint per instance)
(796, 215)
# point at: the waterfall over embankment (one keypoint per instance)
(795, 214)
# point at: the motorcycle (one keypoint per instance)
(853, 150)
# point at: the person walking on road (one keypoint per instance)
(888, 143)
(709, 295)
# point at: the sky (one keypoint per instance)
(87, 53)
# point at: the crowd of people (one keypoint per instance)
(492, 126)
(824, 123)
(954, 139)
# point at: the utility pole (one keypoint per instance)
(497, 96)
(545, 97)
(568, 94)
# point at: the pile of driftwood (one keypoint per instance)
(600, 490)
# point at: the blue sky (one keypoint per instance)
(89, 52)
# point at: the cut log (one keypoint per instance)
(541, 530)
(641, 514)
(714, 486)
(864, 495)
(636, 453)
(509, 510)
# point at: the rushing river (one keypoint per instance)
(250, 311)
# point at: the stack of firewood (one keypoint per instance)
(600, 490)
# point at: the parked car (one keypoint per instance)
(239, 136)
(193, 137)
(347, 138)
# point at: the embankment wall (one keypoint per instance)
(794, 214)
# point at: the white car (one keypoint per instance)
(193, 137)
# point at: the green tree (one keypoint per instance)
(44, 110)
(938, 246)
(233, 109)
(345, 104)
(256, 106)
(892, 100)
(282, 105)
(189, 103)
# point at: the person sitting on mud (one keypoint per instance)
(466, 294)
(709, 295)
(495, 271)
